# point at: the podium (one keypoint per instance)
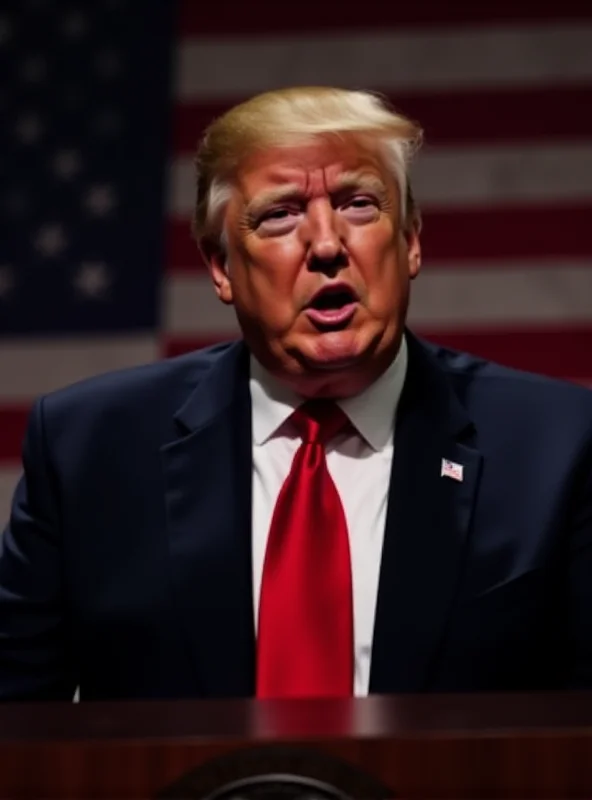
(428, 746)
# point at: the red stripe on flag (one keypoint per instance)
(182, 254)
(460, 236)
(508, 233)
(268, 17)
(548, 351)
(13, 421)
(452, 117)
(177, 345)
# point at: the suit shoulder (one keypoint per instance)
(473, 373)
(140, 384)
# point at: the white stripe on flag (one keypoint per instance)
(30, 367)
(533, 55)
(191, 306)
(454, 177)
(490, 296)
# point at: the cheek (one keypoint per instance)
(379, 255)
(275, 264)
(269, 282)
(384, 268)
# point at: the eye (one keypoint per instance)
(361, 207)
(278, 220)
(360, 202)
(276, 213)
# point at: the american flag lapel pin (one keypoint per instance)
(450, 469)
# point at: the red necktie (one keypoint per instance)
(305, 635)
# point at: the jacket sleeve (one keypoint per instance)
(580, 582)
(34, 656)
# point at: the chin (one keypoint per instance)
(335, 350)
(332, 365)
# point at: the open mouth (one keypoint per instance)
(332, 307)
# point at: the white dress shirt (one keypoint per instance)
(359, 462)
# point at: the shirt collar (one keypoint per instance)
(372, 412)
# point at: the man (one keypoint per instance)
(329, 506)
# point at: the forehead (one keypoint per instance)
(311, 166)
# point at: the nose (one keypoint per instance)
(325, 243)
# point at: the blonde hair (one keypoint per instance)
(294, 116)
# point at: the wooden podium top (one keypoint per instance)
(446, 746)
(376, 717)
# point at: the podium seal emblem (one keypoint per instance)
(276, 772)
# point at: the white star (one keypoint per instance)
(108, 64)
(6, 280)
(50, 240)
(5, 31)
(66, 164)
(33, 70)
(92, 279)
(74, 25)
(100, 200)
(107, 123)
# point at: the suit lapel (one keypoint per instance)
(208, 494)
(427, 524)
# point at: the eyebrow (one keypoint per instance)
(270, 196)
(361, 180)
(347, 180)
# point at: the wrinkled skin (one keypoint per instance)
(299, 219)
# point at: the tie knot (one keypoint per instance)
(319, 420)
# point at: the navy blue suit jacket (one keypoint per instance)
(126, 565)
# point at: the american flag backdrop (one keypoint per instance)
(101, 104)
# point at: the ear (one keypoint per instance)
(413, 251)
(216, 259)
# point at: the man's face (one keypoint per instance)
(318, 264)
